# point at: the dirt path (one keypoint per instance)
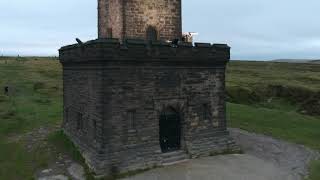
(265, 159)
(289, 157)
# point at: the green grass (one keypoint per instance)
(283, 124)
(63, 144)
(315, 170)
(255, 82)
(265, 97)
(17, 163)
(248, 74)
(27, 107)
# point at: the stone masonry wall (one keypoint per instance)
(148, 90)
(103, 13)
(115, 18)
(83, 109)
(164, 15)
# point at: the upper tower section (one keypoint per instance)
(142, 19)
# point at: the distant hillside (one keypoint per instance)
(257, 82)
(297, 60)
(315, 61)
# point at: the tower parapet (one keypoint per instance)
(109, 50)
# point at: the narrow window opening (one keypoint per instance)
(109, 32)
(95, 129)
(131, 119)
(205, 112)
(79, 121)
(152, 34)
(67, 115)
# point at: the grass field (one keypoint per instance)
(256, 105)
(35, 99)
(264, 97)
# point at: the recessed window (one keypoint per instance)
(95, 129)
(109, 32)
(67, 112)
(131, 119)
(205, 112)
(79, 121)
(152, 34)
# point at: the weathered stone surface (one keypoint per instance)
(55, 177)
(105, 82)
(46, 171)
(76, 171)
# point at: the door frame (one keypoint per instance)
(170, 137)
(177, 103)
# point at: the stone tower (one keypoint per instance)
(131, 104)
(140, 19)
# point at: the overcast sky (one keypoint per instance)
(255, 29)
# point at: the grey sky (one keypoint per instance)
(255, 29)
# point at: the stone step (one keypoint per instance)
(175, 162)
(173, 153)
(174, 158)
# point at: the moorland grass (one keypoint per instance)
(248, 74)
(17, 163)
(282, 124)
(256, 82)
(24, 109)
(314, 171)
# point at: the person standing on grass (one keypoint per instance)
(6, 90)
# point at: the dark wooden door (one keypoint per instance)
(152, 34)
(170, 131)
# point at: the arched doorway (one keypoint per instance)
(152, 34)
(170, 130)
